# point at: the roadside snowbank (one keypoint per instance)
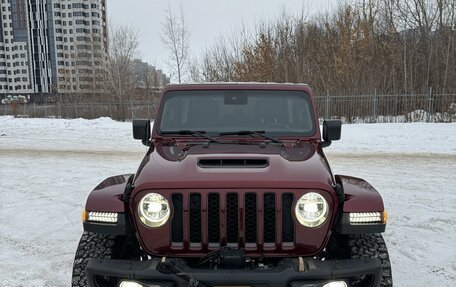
(104, 134)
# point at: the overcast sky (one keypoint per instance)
(207, 19)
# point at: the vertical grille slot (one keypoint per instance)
(250, 218)
(195, 218)
(177, 234)
(232, 218)
(269, 218)
(288, 228)
(213, 218)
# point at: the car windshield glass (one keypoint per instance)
(277, 113)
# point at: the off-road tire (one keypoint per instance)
(358, 246)
(100, 246)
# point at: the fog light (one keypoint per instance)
(129, 284)
(336, 284)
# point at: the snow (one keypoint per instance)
(48, 167)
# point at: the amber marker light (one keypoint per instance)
(384, 217)
(84, 215)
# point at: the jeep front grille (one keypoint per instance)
(251, 220)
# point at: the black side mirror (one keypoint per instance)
(141, 131)
(331, 131)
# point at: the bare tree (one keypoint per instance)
(120, 76)
(176, 36)
(362, 47)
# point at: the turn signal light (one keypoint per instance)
(108, 217)
(366, 217)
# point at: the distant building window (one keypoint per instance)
(79, 14)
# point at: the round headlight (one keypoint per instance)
(312, 210)
(153, 210)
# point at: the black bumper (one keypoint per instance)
(315, 273)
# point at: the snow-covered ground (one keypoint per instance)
(48, 167)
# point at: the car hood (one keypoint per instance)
(174, 166)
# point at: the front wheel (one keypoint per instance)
(101, 246)
(358, 246)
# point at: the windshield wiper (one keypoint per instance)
(252, 133)
(190, 132)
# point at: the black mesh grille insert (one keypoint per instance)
(213, 218)
(269, 218)
(195, 218)
(233, 163)
(232, 218)
(287, 220)
(250, 218)
(177, 234)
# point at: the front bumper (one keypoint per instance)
(314, 273)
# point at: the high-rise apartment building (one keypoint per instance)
(52, 45)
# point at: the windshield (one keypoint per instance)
(220, 111)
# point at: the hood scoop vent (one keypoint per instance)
(233, 163)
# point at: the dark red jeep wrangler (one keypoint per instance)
(234, 190)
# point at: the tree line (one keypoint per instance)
(367, 46)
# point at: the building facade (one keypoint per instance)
(148, 77)
(51, 46)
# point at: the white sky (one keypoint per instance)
(206, 19)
